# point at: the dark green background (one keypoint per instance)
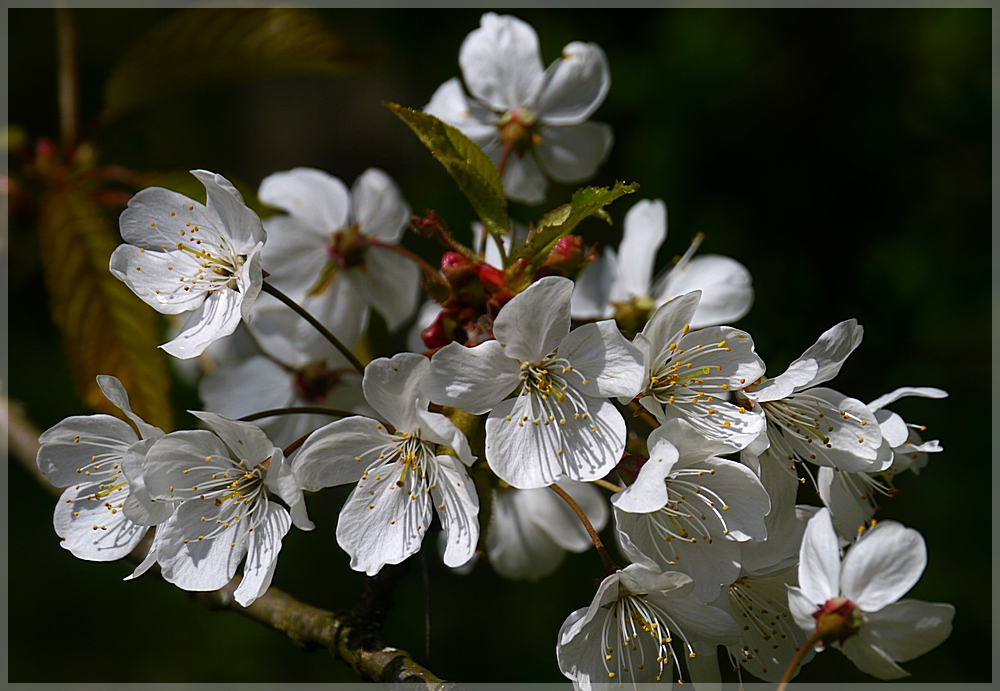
(842, 156)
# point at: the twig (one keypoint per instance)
(352, 637)
(428, 270)
(799, 654)
(640, 412)
(607, 485)
(299, 410)
(302, 312)
(609, 565)
(66, 45)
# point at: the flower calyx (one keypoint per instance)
(837, 620)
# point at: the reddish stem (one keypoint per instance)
(609, 565)
(797, 659)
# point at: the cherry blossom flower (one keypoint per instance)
(560, 423)
(691, 374)
(532, 122)
(688, 509)
(105, 510)
(854, 605)
(401, 478)
(621, 284)
(183, 256)
(531, 530)
(223, 480)
(853, 498)
(806, 422)
(322, 249)
(632, 630)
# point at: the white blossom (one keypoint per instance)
(633, 629)
(401, 478)
(223, 480)
(183, 256)
(690, 375)
(624, 280)
(531, 530)
(531, 119)
(560, 423)
(859, 598)
(105, 510)
(320, 252)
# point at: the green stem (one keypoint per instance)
(298, 309)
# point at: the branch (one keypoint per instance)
(352, 637)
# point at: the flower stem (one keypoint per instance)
(429, 270)
(797, 659)
(640, 412)
(66, 42)
(609, 565)
(302, 410)
(607, 485)
(344, 350)
(287, 451)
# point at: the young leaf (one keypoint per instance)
(477, 177)
(106, 329)
(200, 47)
(589, 201)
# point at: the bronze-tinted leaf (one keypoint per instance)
(200, 47)
(106, 329)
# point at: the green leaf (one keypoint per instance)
(201, 47)
(589, 201)
(105, 328)
(477, 177)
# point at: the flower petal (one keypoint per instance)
(440, 430)
(725, 284)
(392, 387)
(240, 225)
(645, 229)
(339, 452)
(551, 514)
(457, 507)
(649, 491)
(115, 392)
(317, 198)
(892, 397)
(907, 629)
(802, 608)
(246, 440)
(449, 104)
(95, 529)
(156, 216)
(574, 153)
(516, 546)
(389, 284)
(532, 324)
(471, 379)
(159, 278)
(295, 253)
(831, 350)
(75, 445)
(883, 565)
(140, 508)
(819, 560)
(592, 292)
(872, 660)
(523, 180)
(609, 364)
(169, 457)
(242, 388)
(379, 206)
(574, 86)
(262, 554)
(193, 564)
(501, 62)
(216, 317)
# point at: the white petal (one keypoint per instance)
(872, 660)
(379, 206)
(695, 618)
(471, 379)
(745, 499)
(802, 608)
(339, 452)
(831, 350)
(140, 508)
(216, 317)
(240, 225)
(199, 564)
(149, 223)
(532, 324)
(609, 364)
(798, 374)
(239, 389)
(95, 529)
(382, 523)
(450, 105)
(666, 327)
(115, 392)
(457, 506)
(575, 85)
(892, 397)
(155, 277)
(523, 180)
(440, 430)
(551, 514)
(784, 530)
(168, 457)
(295, 253)
(390, 284)
(319, 199)
(529, 455)
(819, 560)
(645, 229)
(392, 388)
(246, 440)
(501, 63)
(250, 282)
(70, 447)
(907, 629)
(893, 428)
(281, 480)
(147, 563)
(593, 288)
(725, 285)
(850, 511)
(262, 554)
(516, 546)
(574, 153)
(883, 565)
(649, 491)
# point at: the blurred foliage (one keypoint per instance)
(843, 157)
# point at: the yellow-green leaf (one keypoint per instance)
(105, 328)
(477, 177)
(199, 47)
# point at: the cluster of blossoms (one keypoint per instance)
(703, 501)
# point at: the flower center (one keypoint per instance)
(518, 130)
(345, 249)
(313, 382)
(629, 618)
